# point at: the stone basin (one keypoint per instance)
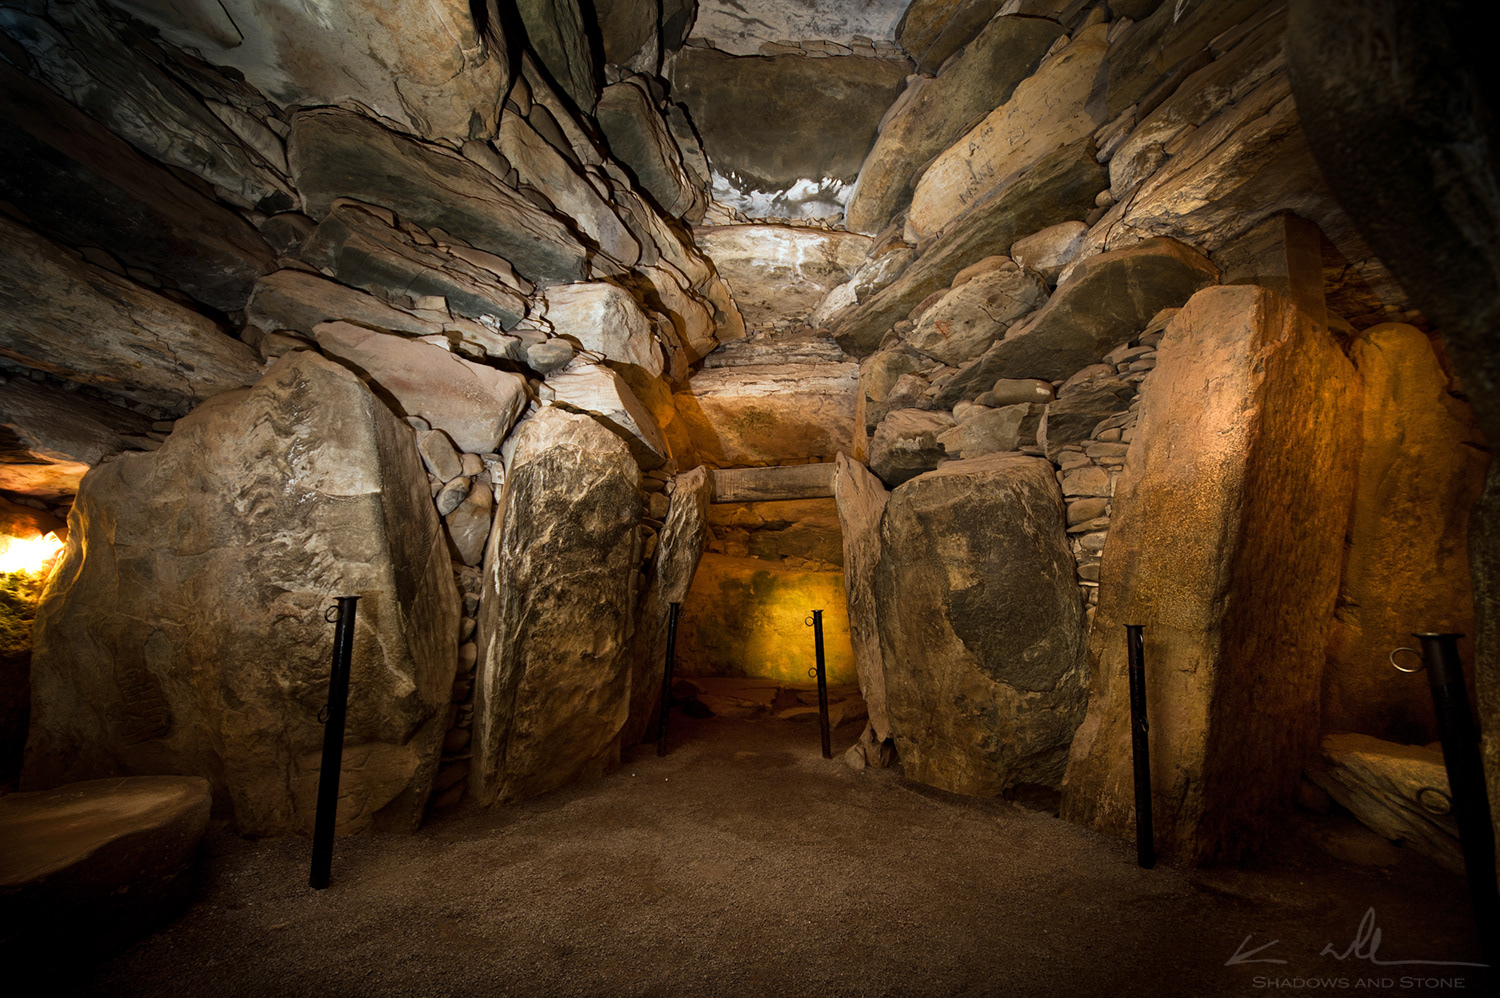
(101, 861)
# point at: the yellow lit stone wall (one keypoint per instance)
(746, 617)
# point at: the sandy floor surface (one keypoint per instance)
(743, 863)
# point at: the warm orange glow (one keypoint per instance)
(747, 617)
(782, 647)
(33, 554)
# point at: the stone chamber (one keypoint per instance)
(985, 327)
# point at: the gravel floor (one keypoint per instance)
(745, 864)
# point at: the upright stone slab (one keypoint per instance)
(1484, 557)
(183, 631)
(602, 393)
(1225, 542)
(981, 626)
(1407, 565)
(1374, 123)
(553, 679)
(677, 553)
(861, 499)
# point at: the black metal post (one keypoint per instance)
(666, 682)
(1471, 804)
(817, 625)
(1140, 745)
(333, 741)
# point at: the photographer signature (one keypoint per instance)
(1365, 946)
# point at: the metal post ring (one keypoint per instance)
(1443, 804)
(808, 622)
(331, 614)
(812, 673)
(1414, 652)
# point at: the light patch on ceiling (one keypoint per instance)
(807, 199)
(34, 554)
(740, 27)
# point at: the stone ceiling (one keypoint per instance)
(741, 27)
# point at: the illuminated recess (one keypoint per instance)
(747, 617)
(34, 554)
